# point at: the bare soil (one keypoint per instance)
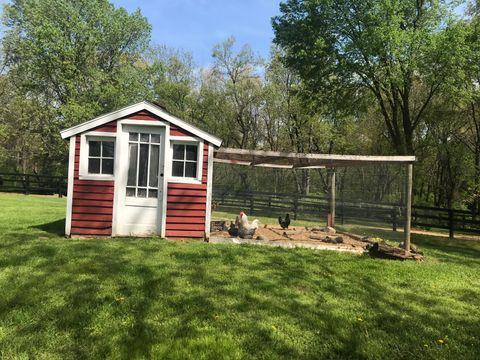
(300, 235)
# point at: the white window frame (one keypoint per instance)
(186, 140)
(83, 173)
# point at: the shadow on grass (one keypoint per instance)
(464, 252)
(56, 228)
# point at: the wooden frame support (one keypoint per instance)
(408, 206)
(332, 198)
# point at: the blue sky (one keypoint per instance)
(196, 25)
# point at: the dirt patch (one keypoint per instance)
(298, 236)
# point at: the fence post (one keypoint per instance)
(394, 218)
(295, 206)
(27, 184)
(59, 189)
(450, 224)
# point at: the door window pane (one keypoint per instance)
(154, 158)
(143, 165)
(152, 193)
(142, 193)
(131, 191)
(132, 169)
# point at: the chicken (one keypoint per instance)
(245, 229)
(284, 223)
(233, 231)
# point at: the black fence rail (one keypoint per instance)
(312, 207)
(33, 184)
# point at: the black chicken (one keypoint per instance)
(284, 223)
(233, 231)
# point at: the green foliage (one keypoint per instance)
(387, 48)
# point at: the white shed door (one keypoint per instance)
(141, 183)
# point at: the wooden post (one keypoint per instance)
(27, 184)
(408, 206)
(295, 206)
(332, 197)
(394, 218)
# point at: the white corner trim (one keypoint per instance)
(117, 184)
(83, 165)
(71, 168)
(144, 105)
(208, 214)
(165, 170)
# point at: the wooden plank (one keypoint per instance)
(94, 203)
(92, 217)
(183, 207)
(92, 224)
(187, 186)
(186, 226)
(83, 231)
(89, 196)
(188, 192)
(187, 199)
(193, 213)
(93, 189)
(94, 183)
(91, 210)
(185, 220)
(315, 160)
(184, 234)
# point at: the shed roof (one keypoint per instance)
(128, 110)
(286, 160)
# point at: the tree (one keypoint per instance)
(72, 60)
(402, 52)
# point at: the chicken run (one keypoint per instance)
(283, 235)
(289, 235)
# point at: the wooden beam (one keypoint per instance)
(225, 152)
(265, 160)
(332, 196)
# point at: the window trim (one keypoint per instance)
(187, 140)
(83, 173)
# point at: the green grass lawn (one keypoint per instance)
(151, 298)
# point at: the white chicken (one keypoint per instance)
(245, 229)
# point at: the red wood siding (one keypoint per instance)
(187, 204)
(92, 205)
(108, 127)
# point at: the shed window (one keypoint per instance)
(185, 160)
(101, 157)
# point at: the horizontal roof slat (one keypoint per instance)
(299, 160)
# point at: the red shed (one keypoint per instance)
(139, 171)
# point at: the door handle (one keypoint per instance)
(161, 174)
